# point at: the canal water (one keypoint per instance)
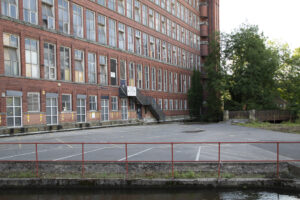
(147, 195)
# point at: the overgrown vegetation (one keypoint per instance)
(195, 95)
(246, 71)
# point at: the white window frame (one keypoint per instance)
(62, 102)
(93, 100)
(78, 26)
(31, 13)
(14, 116)
(61, 18)
(28, 53)
(104, 109)
(38, 99)
(114, 103)
(49, 66)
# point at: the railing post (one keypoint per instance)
(172, 151)
(36, 160)
(219, 160)
(277, 159)
(126, 152)
(82, 148)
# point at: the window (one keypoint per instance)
(112, 33)
(51, 111)
(164, 52)
(81, 110)
(130, 39)
(151, 18)
(121, 7)
(11, 54)
(77, 21)
(10, 8)
(157, 21)
(180, 105)
(79, 66)
(179, 83)
(132, 104)
(165, 104)
(124, 109)
(49, 61)
(102, 29)
(139, 76)
(121, 36)
(163, 4)
(137, 11)
(123, 72)
(48, 14)
(112, 4)
(169, 28)
(63, 16)
(131, 74)
(176, 104)
(168, 6)
(145, 44)
(138, 44)
(170, 82)
(147, 84)
(185, 105)
(152, 47)
(171, 104)
(160, 104)
(175, 83)
(159, 80)
(165, 81)
(30, 11)
(104, 109)
(179, 57)
(66, 101)
(14, 111)
(32, 58)
(173, 30)
(153, 75)
(158, 49)
(114, 103)
(184, 84)
(103, 70)
(169, 56)
(65, 64)
(33, 102)
(92, 74)
(113, 72)
(145, 15)
(178, 33)
(129, 9)
(174, 57)
(90, 25)
(163, 25)
(101, 2)
(93, 103)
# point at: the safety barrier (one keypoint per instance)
(277, 161)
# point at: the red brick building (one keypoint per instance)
(88, 62)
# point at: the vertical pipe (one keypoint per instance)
(219, 160)
(126, 152)
(82, 148)
(172, 150)
(36, 160)
(277, 159)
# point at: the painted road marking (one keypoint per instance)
(79, 154)
(136, 154)
(198, 154)
(59, 140)
(23, 154)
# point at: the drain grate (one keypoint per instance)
(194, 131)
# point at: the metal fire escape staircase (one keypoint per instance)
(145, 101)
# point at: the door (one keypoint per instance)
(124, 109)
(81, 110)
(51, 111)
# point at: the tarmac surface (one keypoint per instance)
(172, 132)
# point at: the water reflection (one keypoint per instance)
(145, 195)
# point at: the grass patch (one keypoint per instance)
(288, 127)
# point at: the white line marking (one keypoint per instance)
(198, 154)
(59, 140)
(79, 154)
(23, 154)
(135, 154)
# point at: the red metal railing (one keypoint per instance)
(172, 161)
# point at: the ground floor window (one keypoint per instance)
(14, 111)
(104, 109)
(51, 111)
(81, 110)
(124, 109)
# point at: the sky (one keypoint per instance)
(278, 19)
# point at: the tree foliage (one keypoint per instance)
(195, 95)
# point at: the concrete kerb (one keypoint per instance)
(205, 183)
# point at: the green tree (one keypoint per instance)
(195, 95)
(252, 66)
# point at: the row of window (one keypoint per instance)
(14, 106)
(152, 19)
(138, 75)
(139, 12)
